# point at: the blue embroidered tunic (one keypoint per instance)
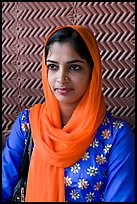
(105, 173)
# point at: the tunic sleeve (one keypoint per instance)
(12, 154)
(121, 169)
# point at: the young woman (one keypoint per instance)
(81, 153)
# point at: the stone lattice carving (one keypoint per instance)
(24, 26)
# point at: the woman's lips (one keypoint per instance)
(63, 91)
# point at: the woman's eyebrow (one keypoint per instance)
(75, 61)
(51, 61)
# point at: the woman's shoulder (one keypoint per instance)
(22, 122)
(20, 127)
(24, 114)
(115, 123)
(24, 118)
(116, 127)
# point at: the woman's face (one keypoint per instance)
(68, 73)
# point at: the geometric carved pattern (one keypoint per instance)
(24, 27)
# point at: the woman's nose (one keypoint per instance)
(62, 77)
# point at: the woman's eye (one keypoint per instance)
(52, 67)
(75, 67)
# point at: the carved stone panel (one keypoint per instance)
(24, 26)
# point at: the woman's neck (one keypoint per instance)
(66, 111)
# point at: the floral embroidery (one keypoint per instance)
(92, 171)
(82, 184)
(117, 124)
(78, 184)
(75, 168)
(102, 197)
(85, 156)
(98, 185)
(94, 144)
(74, 194)
(101, 159)
(25, 126)
(106, 134)
(68, 181)
(90, 196)
(23, 116)
(25, 141)
(107, 148)
(105, 121)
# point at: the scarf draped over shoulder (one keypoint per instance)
(56, 148)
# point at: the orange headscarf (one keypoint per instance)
(56, 148)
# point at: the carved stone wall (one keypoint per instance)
(24, 26)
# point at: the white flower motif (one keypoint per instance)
(23, 116)
(105, 121)
(74, 194)
(68, 181)
(75, 168)
(85, 156)
(94, 144)
(90, 196)
(117, 124)
(92, 171)
(25, 141)
(101, 159)
(102, 197)
(107, 148)
(25, 126)
(106, 134)
(83, 184)
(98, 185)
